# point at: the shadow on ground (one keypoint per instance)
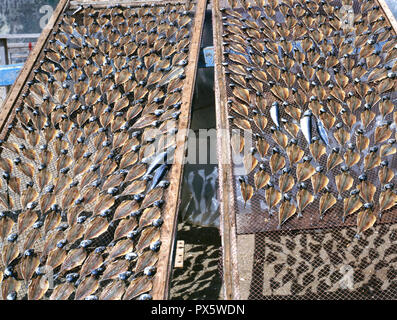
(200, 278)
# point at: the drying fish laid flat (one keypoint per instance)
(86, 156)
(310, 96)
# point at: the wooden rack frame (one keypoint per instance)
(161, 280)
(226, 193)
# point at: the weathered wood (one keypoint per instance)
(101, 4)
(389, 14)
(15, 91)
(164, 265)
(4, 55)
(20, 45)
(226, 193)
(20, 35)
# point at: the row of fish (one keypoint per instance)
(311, 105)
(86, 159)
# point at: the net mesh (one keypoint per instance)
(126, 261)
(312, 256)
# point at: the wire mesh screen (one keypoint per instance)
(310, 90)
(325, 264)
(87, 151)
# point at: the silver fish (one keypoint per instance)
(322, 132)
(306, 125)
(275, 113)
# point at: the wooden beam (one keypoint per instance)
(389, 14)
(13, 95)
(226, 193)
(104, 4)
(170, 213)
(20, 36)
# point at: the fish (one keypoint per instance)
(10, 252)
(362, 142)
(125, 208)
(125, 226)
(75, 232)
(275, 113)
(277, 161)
(148, 236)
(137, 287)
(294, 153)
(74, 258)
(343, 181)
(322, 132)
(388, 148)
(261, 179)
(334, 159)
(365, 220)
(382, 133)
(10, 287)
(152, 198)
(26, 219)
(319, 181)
(280, 138)
(121, 248)
(305, 125)
(387, 200)
(385, 174)
(250, 161)
(237, 142)
(286, 181)
(317, 149)
(246, 190)
(62, 291)
(113, 291)
(262, 146)
(304, 170)
(372, 159)
(56, 256)
(367, 191)
(303, 198)
(351, 157)
(28, 266)
(96, 227)
(87, 287)
(272, 197)
(341, 135)
(327, 201)
(286, 211)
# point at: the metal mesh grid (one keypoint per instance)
(320, 264)
(138, 282)
(254, 216)
(309, 257)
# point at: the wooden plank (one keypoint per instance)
(18, 45)
(15, 91)
(164, 265)
(179, 255)
(226, 193)
(101, 4)
(389, 14)
(4, 56)
(20, 35)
